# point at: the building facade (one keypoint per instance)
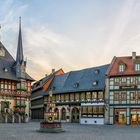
(79, 96)
(15, 85)
(37, 99)
(123, 90)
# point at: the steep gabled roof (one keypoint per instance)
(7, 66)
(129, 63)
(41, 83)
(78, 81)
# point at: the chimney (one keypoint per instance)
(53, 70)
(133, 55)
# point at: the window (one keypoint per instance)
(116, 81)
(89, 109)
(72, 96)
(67, 97)
(84, 110)
(88, 95)
(94, 95)
(133, 96)
(57, 97)
(62, 97)
(53, 97)
(137, 67)
(121, 67)
(2, 52)
(83, 96)
(123, 96)
(77, 96)
(138, 95)
(101, 109)
(111, 82)
(123, 80)
(95, 83)
(1, 86)
(116, 96)
(96, 71)
(100, 95)
(133, 80)
(95, 110)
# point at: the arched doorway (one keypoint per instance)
(63, 114)
(56, 110)
(75, 115)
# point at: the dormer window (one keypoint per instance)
(97, 71)
(5, 70)
(76, 85)
(95, 83)
(137, 66)
(122, 67)
(2, 52)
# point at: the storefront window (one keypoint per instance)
(135, 116)
(120, 116)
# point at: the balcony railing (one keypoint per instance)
(20, 106)
(22, 89)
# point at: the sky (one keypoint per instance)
(70, 34)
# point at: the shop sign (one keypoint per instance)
(128, 87)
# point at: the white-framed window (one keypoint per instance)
(137, 67)
(121, 68)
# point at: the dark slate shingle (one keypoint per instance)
(81, 80)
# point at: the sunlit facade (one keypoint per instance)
(124, 90)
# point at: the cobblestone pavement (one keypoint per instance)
(73, 132)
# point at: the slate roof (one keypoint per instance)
(129, 63)
(39, 84)
(8, 62)
(81, 80)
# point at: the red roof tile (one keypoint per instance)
(128, 61)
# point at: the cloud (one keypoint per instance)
(85, 45)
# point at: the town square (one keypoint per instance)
(69, 70)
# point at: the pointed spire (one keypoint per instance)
(19, 57)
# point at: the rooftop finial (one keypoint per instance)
(20, 22)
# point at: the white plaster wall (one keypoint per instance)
(92, 121)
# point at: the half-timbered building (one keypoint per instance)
(15, 85)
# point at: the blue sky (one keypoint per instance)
(71, 34)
